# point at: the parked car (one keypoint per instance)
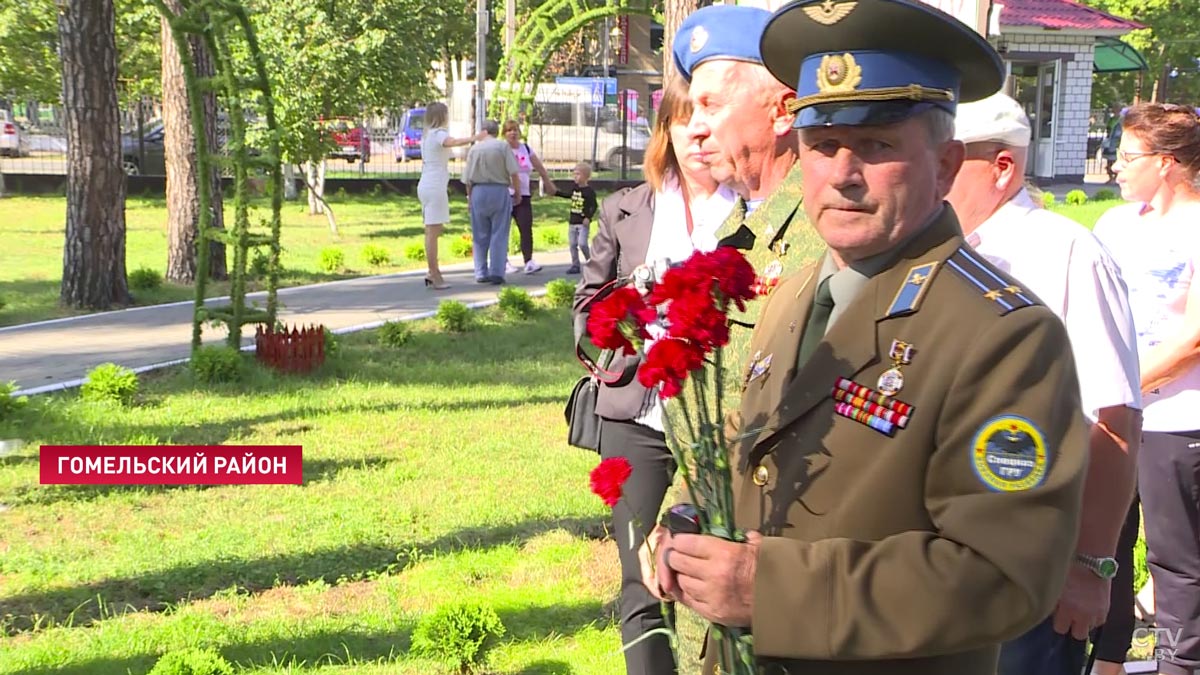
(14, 142)
(407, 144)
(352, 141)
(145, 158)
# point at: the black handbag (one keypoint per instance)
(583, 424)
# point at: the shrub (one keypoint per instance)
(192, 662)
(340, 194)
(454, 316)
(218, 364)
(1104, 194)
(10, 404)
(1076, 197)
(2, 303)
(376, 191)
(560, 293)
(514, 240)
(145, 279)
(110, 383)
(459, 635)
(415, 251)
(462, 247)
(259, 263)
(333, 343)
(332, 260)
(1047, 199)
(395, 333)
(1141, 572)
(375, 255)
(515, 302)
(552, 238)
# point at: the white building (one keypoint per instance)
(1050, 48)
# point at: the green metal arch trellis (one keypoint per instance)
(241, 82)
(538, 38)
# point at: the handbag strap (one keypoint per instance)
(595, 369)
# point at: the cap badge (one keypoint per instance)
(838, 73)
(829, 12)
(699, 39)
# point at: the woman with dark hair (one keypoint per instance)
(1156, 241)
(432, 188)
(643, 230)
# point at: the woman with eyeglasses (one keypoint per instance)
(1156, 241)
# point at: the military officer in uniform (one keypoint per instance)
(910, 464)
(742, 127)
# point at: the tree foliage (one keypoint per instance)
(340, 58)
(30, 68)
(1170, 43)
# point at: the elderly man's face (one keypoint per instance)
(731, 126)
(867, 188)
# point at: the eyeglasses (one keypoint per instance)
(1127, 157)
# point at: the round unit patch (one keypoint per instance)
(1009, 454)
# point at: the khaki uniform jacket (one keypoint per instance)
(921, 551)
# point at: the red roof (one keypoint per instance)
(1061, 15)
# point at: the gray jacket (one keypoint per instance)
(619, 246)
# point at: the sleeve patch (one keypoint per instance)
(1009, 454)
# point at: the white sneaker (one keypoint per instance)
(510, 268)
(532, 266)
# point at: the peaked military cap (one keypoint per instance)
(727, 32)
(868, 62)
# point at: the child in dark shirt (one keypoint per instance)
(583, 209)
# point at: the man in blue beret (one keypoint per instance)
(909, 472)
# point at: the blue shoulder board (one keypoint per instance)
(1003, 293)
(908, 298)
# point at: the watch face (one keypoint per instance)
(1107, 568)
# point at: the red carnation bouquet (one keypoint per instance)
(691, 305)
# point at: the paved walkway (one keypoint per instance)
(55, 354)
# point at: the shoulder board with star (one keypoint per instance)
(1004, 293)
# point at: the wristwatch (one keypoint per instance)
(1103, 567)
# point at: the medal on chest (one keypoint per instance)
(891, 381)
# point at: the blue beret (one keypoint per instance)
(727, 32)
(868, 62)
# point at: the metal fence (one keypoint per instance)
(561, 132)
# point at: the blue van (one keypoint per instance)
(408, 137)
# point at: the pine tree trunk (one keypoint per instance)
(94, 251)
(674, 12)
(183, 198)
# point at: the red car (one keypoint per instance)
(352, 141)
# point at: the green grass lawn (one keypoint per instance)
(32, 231)
(434, 472)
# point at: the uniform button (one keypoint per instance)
(761, 475)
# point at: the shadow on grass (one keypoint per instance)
(157, 591)
(43, 495)
(335, 647)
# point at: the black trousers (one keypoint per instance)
(633, 518)
(1113, 639)
(1169, 485)
(523, 216)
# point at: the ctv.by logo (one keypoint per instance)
(1163, 642)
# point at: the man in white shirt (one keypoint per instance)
(1073, 274)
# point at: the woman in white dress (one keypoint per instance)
(433, 187)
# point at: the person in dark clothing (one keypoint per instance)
(583, 209)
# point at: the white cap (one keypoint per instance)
(996, 119)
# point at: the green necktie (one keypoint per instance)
(818, 319)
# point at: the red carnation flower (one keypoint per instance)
(617, 318)
(735, 274)
(695, 317)
(668, 363)
(608, 477)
